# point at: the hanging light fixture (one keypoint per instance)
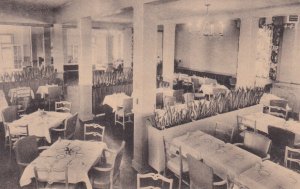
(210, 28)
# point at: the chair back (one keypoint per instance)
(201, 175)
(118, 159)
(94, 132)
(127, 105)
(155, 177)
(10, 114)
(225, 132)
(278, 108)
(292, 158)
(196, 83)
(159, 100)
(49, 176)
(54, 92)
(70, 125)
(169, 101)
(178, 94)
(24, 102)
(189, 97)
(257, 143)
(281, 137)
(26, 150)
(63, 106)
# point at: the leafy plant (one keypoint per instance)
(221, 103)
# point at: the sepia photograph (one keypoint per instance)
(149, 94)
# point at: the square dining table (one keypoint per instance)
(44, 90)
(262, 121)
(39, 123)
(268, 175)
(229, 161)
(115, 100)
(79, 158)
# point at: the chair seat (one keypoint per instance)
(120, 113)
(59, 186)
(174, 165)
(100, 179)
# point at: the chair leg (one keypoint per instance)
(179, 182)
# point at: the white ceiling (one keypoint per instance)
(182, 8)
(42, 4)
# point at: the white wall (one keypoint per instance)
(206, 53)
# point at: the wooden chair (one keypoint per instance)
(23, 104)
(280, 139)
(196, 84)
(26, 150)
(63, 106)
(257, 144)
(278, 108)
(107, 173)
(12, 133)
(42, 179)
(94, 132)
(189, 98)
(68, 128)
(169, 101)
(159, 100)
(175, 162)
(225, 132)
(178, 94)
(124, 112)
(292, 158)
(155, 177)
(245, 124)
(201, 175)
(54, 94)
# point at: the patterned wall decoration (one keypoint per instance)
(278, 29)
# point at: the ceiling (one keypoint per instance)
(184, 8)
(39, 4)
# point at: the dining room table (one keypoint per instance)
(78, 156)
(3, 103)
(263, 120)
(18, 92)
(43, 90)
(226, 160)
(115, 100)
(39, 123)
(213, 88)
(268, 175)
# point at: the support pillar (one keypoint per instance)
(47, 45)
(168, 52)
(85, 69)
(247, 52)
(58, 52)
(144, 79)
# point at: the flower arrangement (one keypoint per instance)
(28, 73)
(221, 103)
(112, 78)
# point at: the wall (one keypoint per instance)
(206, 53)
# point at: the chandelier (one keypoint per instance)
(211, 28)
(207, 27)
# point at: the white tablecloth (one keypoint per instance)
(208, 89)
(264, 120)
(198, 144)
(165, 91)
(3, 103)
(43, 90)
(84, 155)
(230, 160)
(268, 175)
(224, 159)
(115, 100)
(20, 92)
(39, 123)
